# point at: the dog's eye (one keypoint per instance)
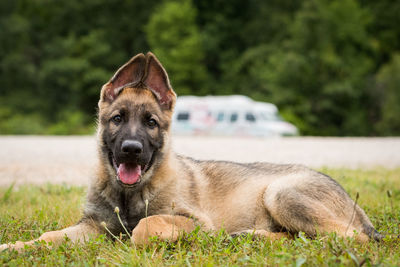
(117, 118)
(151, 123)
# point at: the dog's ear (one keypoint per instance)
(156, 79)
(131, 72)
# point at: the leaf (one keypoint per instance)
(7, 194)
(353, 257)
(300, 261)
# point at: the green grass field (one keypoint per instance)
(28, 211)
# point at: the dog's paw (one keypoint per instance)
(3, 247)
(18, 246)
(140, 235)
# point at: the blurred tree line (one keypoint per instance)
(331, 66)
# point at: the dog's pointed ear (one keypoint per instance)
(131, 72)
(156, 79)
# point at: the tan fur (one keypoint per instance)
(242, 209)
(77, 233)
(163, 226)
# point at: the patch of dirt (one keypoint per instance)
(72, 159)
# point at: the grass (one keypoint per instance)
(28, 211)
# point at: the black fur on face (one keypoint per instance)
(140, 124)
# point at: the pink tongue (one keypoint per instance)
(128, 173)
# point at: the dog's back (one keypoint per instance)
(274, 197)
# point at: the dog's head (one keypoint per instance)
(135, 111)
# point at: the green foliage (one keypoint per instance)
(55, 56)
(68, 122)
(319, 72)
(71, 122)
(328, 65)
(174, 37)
(388, 80)
(28, 211)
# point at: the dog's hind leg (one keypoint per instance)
(166, 227)
(77, 233)
(296, 211)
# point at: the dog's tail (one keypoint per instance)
(372, 232)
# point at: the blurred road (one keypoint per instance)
(72, 160)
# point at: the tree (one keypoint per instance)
(318, 74)
(175, 39)
(329, 65)
(55, 56)
(388, 83)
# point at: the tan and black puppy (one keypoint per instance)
(137, 166)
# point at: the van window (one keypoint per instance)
(183, 116)
(220, 116)
(271, 117)
(234, 117)
(250, 117)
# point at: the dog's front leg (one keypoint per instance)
(77, 233)
(166, 227)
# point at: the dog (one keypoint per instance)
(160, 193)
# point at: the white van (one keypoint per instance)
(268, 113)
(228, 115)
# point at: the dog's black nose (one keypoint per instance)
(132, 147)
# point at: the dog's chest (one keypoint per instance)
(135, 210)
(131, 209)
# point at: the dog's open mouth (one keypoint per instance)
(129, 173)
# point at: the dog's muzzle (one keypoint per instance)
(130, 163)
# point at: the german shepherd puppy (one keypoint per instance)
(139, 172)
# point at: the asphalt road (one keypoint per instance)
(72, 160)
